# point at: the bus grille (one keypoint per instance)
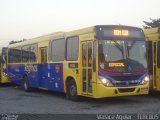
(124, 90)
(125, 84)
(123, 78)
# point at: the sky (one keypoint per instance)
(25, 19)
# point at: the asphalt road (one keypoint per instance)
(14, 100)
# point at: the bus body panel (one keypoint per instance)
(54, 75)
(49, 76)
(103, 91)
(16, 73)
(4, 79)
(3, 65)
(153, 49)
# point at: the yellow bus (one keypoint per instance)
(99, 61)
(3, 65)
(153, 50)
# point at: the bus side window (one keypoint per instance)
(44, 55)
(72, 48)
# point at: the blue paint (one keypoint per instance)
(48, 76)
(129, 68)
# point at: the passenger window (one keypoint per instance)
(72, 48)
(14, 55)
(58, 50)
(25, 53)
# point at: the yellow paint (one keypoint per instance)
(151, 31)
(102, 91)
(3, 77)
(30, 68)
(116, 65)
(153, 36)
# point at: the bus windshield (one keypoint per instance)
(122, 55)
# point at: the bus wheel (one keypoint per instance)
(26, 84)
(72, 91)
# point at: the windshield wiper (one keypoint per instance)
(128, 48)
(119, 47)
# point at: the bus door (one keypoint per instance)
(4, 68)
(157, 67)
(0, 69)
(43, 72)
(154, 51)
(87, 67)
(150, 57)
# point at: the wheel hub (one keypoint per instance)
(72, 90)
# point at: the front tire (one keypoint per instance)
(26, 84)
(72, 91)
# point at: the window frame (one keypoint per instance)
(36, 44)
(67, 47)
(21, 49)
(44, 57)
(50, 51)
(50, 59)
(30, 45)
(9, 56)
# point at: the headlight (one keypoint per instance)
(145, 80)
(105, 81)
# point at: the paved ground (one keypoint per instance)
(14, 100)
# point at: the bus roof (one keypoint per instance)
(117, 26)
(57, 35)
(38, 39)
(80, 31)
(52, 36)
(92, 29)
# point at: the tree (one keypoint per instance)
(154, 23)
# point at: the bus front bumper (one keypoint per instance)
(103, 91)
